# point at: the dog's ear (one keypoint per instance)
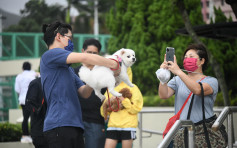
(126, 93)
(122, 52)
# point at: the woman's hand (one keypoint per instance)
(173, 67)
(164, 65)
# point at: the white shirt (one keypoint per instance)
(22, 82)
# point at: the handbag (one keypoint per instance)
(173, 119)
(204, 135)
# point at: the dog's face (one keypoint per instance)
(128, 56)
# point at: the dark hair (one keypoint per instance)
(26, 66)
(201, 52)
(50, 31)
(91, 41)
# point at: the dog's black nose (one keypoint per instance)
(133, 59)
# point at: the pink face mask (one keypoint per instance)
(190, 64)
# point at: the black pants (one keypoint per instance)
(26, 115)
(65, 137)
(40, 142)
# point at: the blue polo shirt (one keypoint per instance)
(60, 85)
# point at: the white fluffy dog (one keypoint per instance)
(102, 77)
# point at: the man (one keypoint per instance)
(21, 86)
(94, 133)
(63, 126)
(36, 105)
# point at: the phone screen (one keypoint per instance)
(170, 51)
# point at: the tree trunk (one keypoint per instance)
(233, 4)
(214, 64)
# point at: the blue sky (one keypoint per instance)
(14, 6)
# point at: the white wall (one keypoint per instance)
(14, 67)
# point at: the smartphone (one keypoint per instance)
(170, 51)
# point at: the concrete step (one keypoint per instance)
(16, 145)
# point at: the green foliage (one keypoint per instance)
(36, 13)
(84, 23)
(220, 101)
(224, 52)
(156, 101)
(10, 132)
(219, 16)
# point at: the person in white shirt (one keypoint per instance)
(21, 86)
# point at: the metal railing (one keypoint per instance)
(226, 113)
(19, 45)
(8, 97)
(174, 129)
(179, 124)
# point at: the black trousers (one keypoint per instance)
(40, 142)
(65, 137)
(26, 115)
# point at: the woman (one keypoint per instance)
(195, 62)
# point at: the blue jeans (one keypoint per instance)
(94, 135)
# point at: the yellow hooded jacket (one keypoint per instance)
(126, 118)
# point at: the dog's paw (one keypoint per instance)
(118, 95)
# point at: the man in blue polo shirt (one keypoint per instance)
(63, 126)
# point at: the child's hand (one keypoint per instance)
(121, 98)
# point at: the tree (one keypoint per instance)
(84, 22)
(233, 5)
(36, 13)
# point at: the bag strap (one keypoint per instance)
(191, 103)
(190, 108)
(180, 111)
(189, 114)
(203, 113)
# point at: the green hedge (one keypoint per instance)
(10, 132)
(156, 101)
(220, 101)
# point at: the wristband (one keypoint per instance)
(117, 66)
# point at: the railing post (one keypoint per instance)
(191, 137)
(230, 132)
(140, 130)
(81, 40)
(36, 46)
(14, 46)
(102, 41)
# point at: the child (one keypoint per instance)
(123, 123)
